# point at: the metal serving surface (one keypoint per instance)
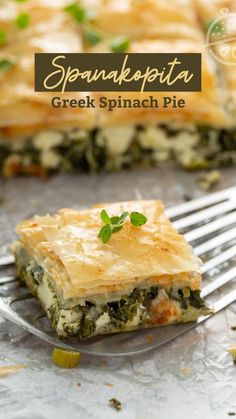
(193, 376)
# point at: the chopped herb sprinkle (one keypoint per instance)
(3, 37)
(80, 14)
(115, 223)
(119, 44)
(22, 20)
(92, 36)
(5, 64)
(233, 328)
(115, 403)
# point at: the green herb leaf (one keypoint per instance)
(22, 20)
(123, 217)
(105, 217)
(79, 13)
(116, 229)
(105, 233)
(92, 36)
(114, 220)
(21, 1)
(3, 37)
(137, 219)
(120, 44)
(115, 223)
(5, 64)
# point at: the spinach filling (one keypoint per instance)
(187, 297)
(4, 153)
(124, 310)
(84, 153)
(120, 312)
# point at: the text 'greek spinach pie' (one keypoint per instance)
(111, 268)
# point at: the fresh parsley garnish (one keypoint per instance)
(137, 219)
(92, 36)
(80, 14)
(22, 20)
(5, 64)
(119, 44)
(3, 37)
(115, 223)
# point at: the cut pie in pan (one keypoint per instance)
(36, 138)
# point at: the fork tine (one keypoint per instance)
(219, 259)
(212, 227)
(201, 202)
(219, 282)
(6, 260)
(225, 301)
(7, 279)
(204, 214)
(215, 242)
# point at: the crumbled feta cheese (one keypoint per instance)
(47, 139)
(154, 138)
(67, 317)
(50, 159)
(102, 321)
(46, 294)
(116, 139)
(183, 146)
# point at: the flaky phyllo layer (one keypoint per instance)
(143, 277)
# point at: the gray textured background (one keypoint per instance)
(192, 377)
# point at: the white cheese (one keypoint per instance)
(50, 159)
(116, 139)
(102, 321)
(183, 146)
(154, 138)
(47, 139)
(46, 294)
(68, 317)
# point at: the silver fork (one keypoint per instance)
(208, 223)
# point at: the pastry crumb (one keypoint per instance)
(149, 338)
(115, 403)
(10, 369)
(109, 385)
(185, 370)
(233, 328)
(78, 384)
